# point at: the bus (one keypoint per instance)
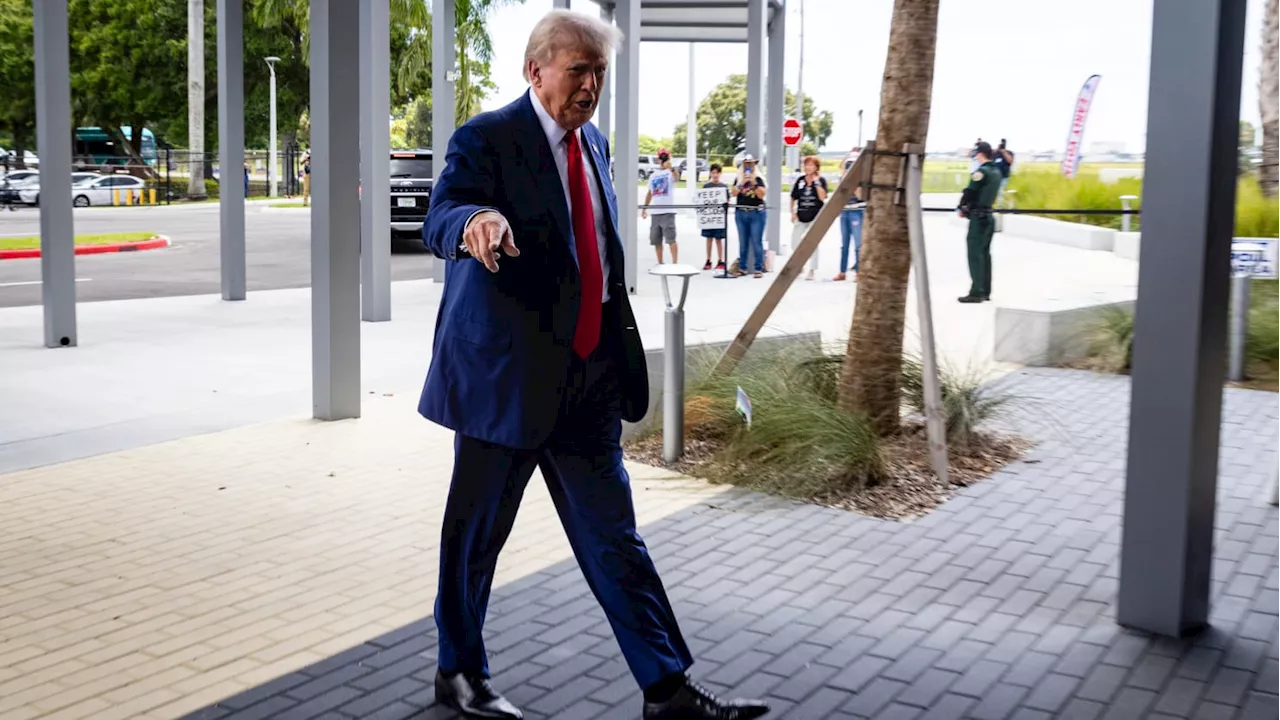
(95, 147)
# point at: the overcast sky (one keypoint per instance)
(1045, 49)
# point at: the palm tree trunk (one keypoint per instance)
(1268, 103)
(869, 377)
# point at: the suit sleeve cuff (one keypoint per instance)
(461, 247)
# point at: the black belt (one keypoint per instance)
(753, 208)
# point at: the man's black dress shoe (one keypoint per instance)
(694, 702)
(473, 697)
(971, 299)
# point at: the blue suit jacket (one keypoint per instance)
(503, 340)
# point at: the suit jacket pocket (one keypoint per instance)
(494, 338)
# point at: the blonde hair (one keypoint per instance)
(563, 29)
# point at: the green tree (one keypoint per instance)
(17, 76)
(722, 118)
(128, 65)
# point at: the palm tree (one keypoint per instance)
(474, 46)
(1268, 103)
(869, 377)
(474, 51)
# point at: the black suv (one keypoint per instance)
(411, 180)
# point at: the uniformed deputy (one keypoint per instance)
(975, 204)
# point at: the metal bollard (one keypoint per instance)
(1124, 203)
(1238, 327)
(1006, 201)
(673, 360)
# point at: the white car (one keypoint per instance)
(29, 191)
(19, 176)
(100, 190)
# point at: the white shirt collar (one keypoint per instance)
(555, 133)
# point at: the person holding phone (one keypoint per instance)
(749, 215)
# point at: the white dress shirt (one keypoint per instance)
(556, 136)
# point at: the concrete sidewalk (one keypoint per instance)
(158, 369)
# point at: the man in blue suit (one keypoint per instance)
(537, 361)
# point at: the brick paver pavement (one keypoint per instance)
(997, 605)
(154, 581)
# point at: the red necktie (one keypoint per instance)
(587, 334)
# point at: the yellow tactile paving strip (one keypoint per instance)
(154, 581)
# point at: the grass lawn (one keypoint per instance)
(296, 204)
(33, 242)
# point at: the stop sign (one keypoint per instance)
(791, 132)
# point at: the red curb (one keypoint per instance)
(158, 241)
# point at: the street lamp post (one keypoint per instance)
(272, 175)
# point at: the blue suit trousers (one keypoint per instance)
(581, 463)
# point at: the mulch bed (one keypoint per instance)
(909, 489)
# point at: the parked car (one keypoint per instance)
(703, 166)
(412, 176)
(11, 182)
(29, 193)
(648, 166)
(101, 189)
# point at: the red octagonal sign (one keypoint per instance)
(791, 132)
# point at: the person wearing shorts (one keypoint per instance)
(661, 195)
(718, 235)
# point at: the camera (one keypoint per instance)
(1002, 143)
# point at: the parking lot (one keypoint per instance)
(278, 253)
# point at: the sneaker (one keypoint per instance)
(720, 265)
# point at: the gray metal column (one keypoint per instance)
(773, 134)
(1180, 341)
(443, 93)
(375, 162)
(53, 136)
(755, 77)
(231, 146)
(560, 4)
(604, 113)
(626, 146)
(335, 213)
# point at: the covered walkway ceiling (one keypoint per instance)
(696, 20)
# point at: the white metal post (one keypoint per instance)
(1126, 203)
(375, 160)
(691, 128)
(604, 112)
(273, 173)
(335, 213)
(626, 146)
(53, 135)
(755, 78)
(443, 26)
(773, 139)
(231, 190)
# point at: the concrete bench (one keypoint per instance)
(1049, 334)
(1127, 245)
(1059, 232)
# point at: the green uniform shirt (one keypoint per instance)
(985, 184)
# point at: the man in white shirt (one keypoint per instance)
(658, 202)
